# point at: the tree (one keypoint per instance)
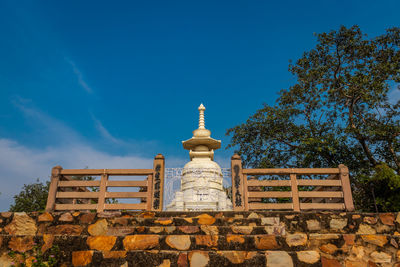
(338, 111)
(33, 197)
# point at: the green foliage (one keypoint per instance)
(36, 258)
(338, 111)
(33, 197)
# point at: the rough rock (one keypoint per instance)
(242, 229)
(198, 258)
(189, 229)
(138, 242)
(45, 217)
(379, 240)
(278, 259)
(266, 242)
(237, 257)
(87, 218)
(380, 257)
(102, 243)
(337, 224)
(179, 242)
(313, 225)
(209, 229)
(207, 240)
(349, 239)
(165, 263)
(120, 230)
(370, 220)
(235, 239)
(114, 254)
(365, 229)
(164, 221)
(65, 229)
(270, 221)
(182, 260)
(98, 228)
(156, 229)
(328, 248)
(21, 224)
(324, 236)
(66, 217)
(81, 258)
(387, 218)
(330, 262)
(309, 256)
(275, 229)
(48, 242)
(398, 218)
(297, 239)
(253, 215)
(21, 244)
(205, 219)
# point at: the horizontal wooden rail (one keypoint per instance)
(114, 172)
(304, 194)
(68, 193)
(270, 194)
(299, 171)
(126, 194)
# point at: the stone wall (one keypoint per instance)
(201, 239)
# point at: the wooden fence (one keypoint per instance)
(70, 194)
(294, 193)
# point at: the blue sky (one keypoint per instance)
(109, 84)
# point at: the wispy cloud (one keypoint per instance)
(79, 76)
(104, 132)
(22, 164)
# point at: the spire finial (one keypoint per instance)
(201, 117)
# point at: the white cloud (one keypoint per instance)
(79, 76)
(104, 132)
(22, 165)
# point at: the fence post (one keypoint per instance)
(102, 192)
(238, 190)
(344, 177)
(158, 183)
(295, 192)
(55, 178)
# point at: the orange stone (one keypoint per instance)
(98, 228)
(21, 244)
(140, 229)
(66, 217)
(163, 221)
(81, 258)
(198, 258)
(379, 240)
(65, 229)
(235, 239)
(206, 219)
(189, 229)
(266, 242)
(356, 264)
(45, 217)
(189, 220)
(114, 254)
(330, 262)
(328, 248)
(179, 242)
(370, 220)
(349, 239)
(182, 260)
(147, 214)
(87, 217)
(103, 243)
(237, 257)
(165, 263)
(387, 218)
(242, 229)
(48, 242)
(139, 242)
(207, 240)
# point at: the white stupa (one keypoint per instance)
(201, 181)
